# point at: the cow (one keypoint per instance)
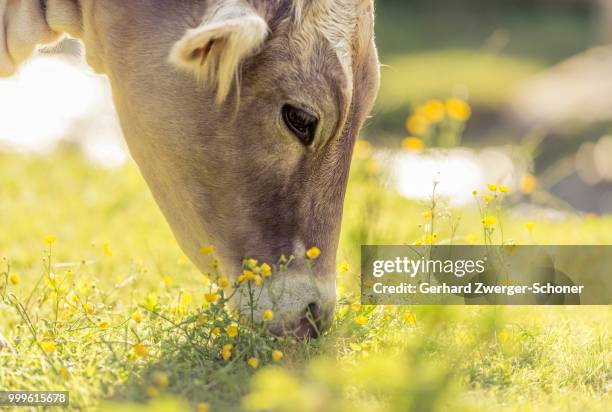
(241, 116)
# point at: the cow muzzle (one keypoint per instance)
(302, 305)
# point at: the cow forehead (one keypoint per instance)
(339, 21)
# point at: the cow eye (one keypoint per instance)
(301, 123)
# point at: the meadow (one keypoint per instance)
(98, 299)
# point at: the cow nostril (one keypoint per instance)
(313, 310)
(310, 324)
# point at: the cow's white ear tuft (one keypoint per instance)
(213, 51)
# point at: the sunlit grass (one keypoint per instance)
(125, 317)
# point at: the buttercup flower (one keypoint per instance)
(343, 267)
(417, 124)
(15, 279)
(211, 297)
(458, 109)
(141, 350)
(223, 282)
(232, 330)
(226, 353)
(413, 144)
(253, 363)
(361, 320)
(489, 221)
(434, 110)
(137, 316)
(207, 250)
(313, 253)
(266, 270)
(268, 315)
(50, 239)
(107, 250)
(277, 356)
(48, 346)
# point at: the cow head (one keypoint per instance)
(241, 115)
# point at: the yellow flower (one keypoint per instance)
(434, 110)
(489, 221)
(15, 279)
(277, 356)
(203, 407)
(413, 144)
(141, 350)
(268, 315)
(487, 198)
(253, 363)
(223, 282)
(186, 299)
(48, 346)
(427, 214)
(356, 307)
(50, 239)
(211, 297)
(248, 275)
(313, 253)
(503, 335)
(361, 320)
(207, 250)
(107, 250)
(103, 325)
(530, 226)
(161, 379)
(373, 167)
(417, 124)
(252, 263)
(216, 331)
(528, 184)
(492, 187)
(266, 270)
(152, 392)
(472, 239)
(363, 149)
(344, 267)
(504, 189)
(258, 280)
(206, 280)
(214, 263)
(137, 316)
(226, 353)
(430, 239)
(65, 373)
(232, 330)
(168, 281)
(89, 309)
(409, 318)
(458, 109)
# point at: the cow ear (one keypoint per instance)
(24, 24)
(213, 51)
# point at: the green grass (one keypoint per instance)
(409, 358)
